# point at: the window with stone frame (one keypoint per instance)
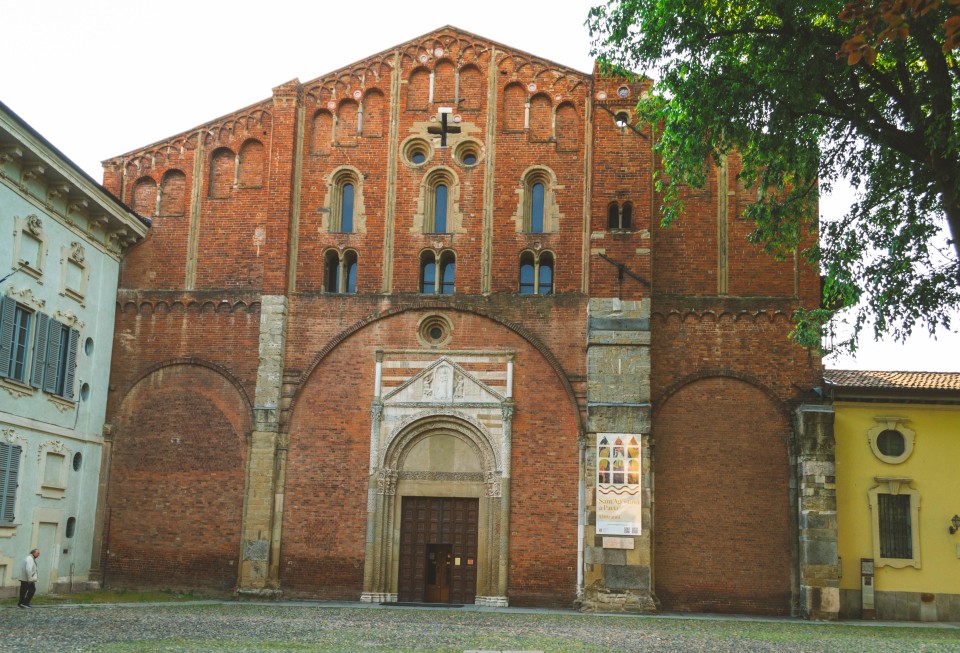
(536, 273)
(438, 272)
(537, 210)
(9, 474)
(895, 509)
(30, 245)
(437, 206)
(340, 271)
(15, 323)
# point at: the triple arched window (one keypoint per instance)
(438, 272)
(340, 271)
(536, 273)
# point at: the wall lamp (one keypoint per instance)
(956, 524)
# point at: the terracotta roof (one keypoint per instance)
(893, 380)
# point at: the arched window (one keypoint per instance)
(173, 192)
(536, 207)
(346, 209)
(250, 165)
(438, 273)
(620, 216)
(345, 202)
(145, 196)
(222, 168)
(448, 273)
(438, 203)
(428, 273)
(340, 271)
(536, 273)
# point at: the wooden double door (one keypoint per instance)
(438, 550)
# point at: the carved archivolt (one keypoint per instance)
(424, 424)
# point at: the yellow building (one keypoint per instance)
(898, 493)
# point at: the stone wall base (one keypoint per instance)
(629, 601)
(378, 597)
(819, 603)
(259, 593)
(903, 606)
(492, 601)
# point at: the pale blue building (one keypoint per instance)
(63, 236)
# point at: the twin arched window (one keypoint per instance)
(438, 272)
(340, 271)
(536, 273)
(620, 216)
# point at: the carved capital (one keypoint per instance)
(494, 487)
(387, 482)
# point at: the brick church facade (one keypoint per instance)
(412, 332)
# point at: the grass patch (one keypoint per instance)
(112, 596)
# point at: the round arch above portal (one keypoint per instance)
(521, 331)
(427, 424)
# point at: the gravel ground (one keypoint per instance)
(322, 628)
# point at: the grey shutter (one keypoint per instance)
(52, 356)
(9, 472)
(8, 307)
(74, 337)
(39, 350)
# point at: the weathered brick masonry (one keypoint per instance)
(289, 364)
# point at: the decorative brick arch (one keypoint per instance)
(672, 389)
(199, 362)
(436, 305)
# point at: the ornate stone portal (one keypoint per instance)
(440, 427)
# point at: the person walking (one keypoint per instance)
(28, 578)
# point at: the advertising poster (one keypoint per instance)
(618, 484)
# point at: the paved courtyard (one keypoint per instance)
(354, 628)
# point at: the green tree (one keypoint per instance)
(811, 93)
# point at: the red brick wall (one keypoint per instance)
(177, 476)
(324, 514)
(722, 517)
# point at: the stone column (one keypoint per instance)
(262, 503)
(618, 570)
(819, 568)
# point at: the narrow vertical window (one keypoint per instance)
(626, 216)
(346, 209)
(545, 275)
(536, 208)
(896, 538)
(14, 339)
(613, 216)
(527, 278)
(9, 472)
(350, 272)
(440, 209)
(428, 273)
(448, 272)
(331, 272)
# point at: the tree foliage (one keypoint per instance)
(811, 93)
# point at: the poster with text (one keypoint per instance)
(618, 484)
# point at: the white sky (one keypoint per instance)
(99, 78)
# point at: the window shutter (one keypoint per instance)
(9, 472)
(39, 350)
(7, 310)
(52, 357)
(71, 364)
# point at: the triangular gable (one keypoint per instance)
(443, 382)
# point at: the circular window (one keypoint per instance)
(71, 526)
(623, 91)
(416, 152)
(891, 442)
(77, 461)
(622, 119)
(467, 154)
(434, 330)
(88, 346)
(85, 391)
